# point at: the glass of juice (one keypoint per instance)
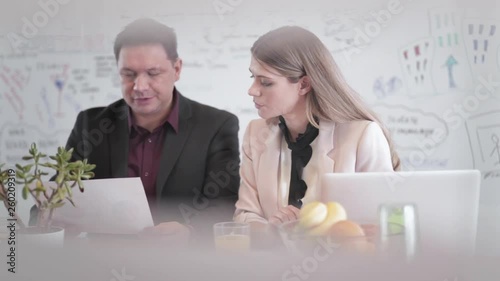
(232, 237)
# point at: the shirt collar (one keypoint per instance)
(172, 118)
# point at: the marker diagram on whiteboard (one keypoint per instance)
(451, 70)
(484, 137)
(481, 41)
(416, 62)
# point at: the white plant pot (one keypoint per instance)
(31, 237)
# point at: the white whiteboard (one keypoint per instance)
(423, 69)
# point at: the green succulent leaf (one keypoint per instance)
(56, 205)
(27, 168)
(59, 179)
(69, 191)
(26, 190)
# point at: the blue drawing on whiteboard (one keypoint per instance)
(59, 84)
(384, 89)
(450, 63)
(46, 102)
(71, 100)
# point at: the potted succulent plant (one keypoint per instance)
(47, 197)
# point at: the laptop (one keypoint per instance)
(444, 203)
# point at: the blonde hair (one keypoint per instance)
(296, 52)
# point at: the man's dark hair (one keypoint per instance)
(147, 31)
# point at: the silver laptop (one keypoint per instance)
(445, 202)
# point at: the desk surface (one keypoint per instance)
(106, 257)
(122, 258)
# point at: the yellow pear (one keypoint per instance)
(312, 214)
(335, 213)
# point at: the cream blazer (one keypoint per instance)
(357, 146)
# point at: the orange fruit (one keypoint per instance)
(346, 228)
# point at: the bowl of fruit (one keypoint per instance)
(327, 224)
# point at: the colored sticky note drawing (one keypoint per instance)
(481, 38)
(415, 60)
(445, 26)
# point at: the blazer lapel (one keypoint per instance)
(326, 146)
(173, 145)
(322, 161)
(268, 167)
(118, 143)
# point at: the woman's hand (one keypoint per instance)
(288, 213)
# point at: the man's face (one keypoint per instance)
(148, 77)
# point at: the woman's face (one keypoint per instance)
(273, 94)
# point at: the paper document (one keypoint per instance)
(114, 206)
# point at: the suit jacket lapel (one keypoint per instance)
(118, 143)
(173, 145)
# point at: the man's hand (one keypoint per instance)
(171, 231)
(288, 213)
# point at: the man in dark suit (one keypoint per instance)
(186, 153)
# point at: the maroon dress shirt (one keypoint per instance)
(145, 149)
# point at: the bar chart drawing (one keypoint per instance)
(451, 70)
(416, 61)
(445, 25)
(481, 41)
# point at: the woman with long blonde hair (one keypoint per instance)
(312, 123)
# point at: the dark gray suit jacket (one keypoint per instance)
(198, 177)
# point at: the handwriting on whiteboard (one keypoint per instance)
(412, 128)
(16, 138)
